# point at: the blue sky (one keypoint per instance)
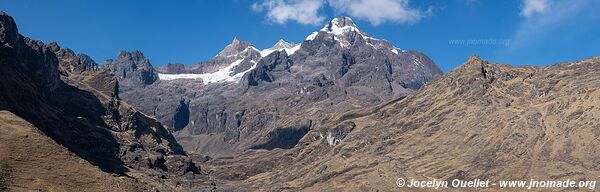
(517, 32)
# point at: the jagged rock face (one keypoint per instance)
(132, 68)
(479, 121)
(76, 104)
(337, 69)
(73, 63)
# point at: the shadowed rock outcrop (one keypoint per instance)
(182, 116)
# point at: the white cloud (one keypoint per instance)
(379, 11)
(309, 11)
(302, 11)
(532, 7)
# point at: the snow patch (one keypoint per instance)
(289, 51)
(312, 36)
(239, 76)
(168, 77)
(417, 62)
(394, 51)
(222, 75)
(331, 139)
(253, 48)
(371, 38)
(336, 30)
(370, 44)
(292, 50)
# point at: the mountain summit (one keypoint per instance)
(132, 68)
(281, 45)
(340, 25)
(235, 47)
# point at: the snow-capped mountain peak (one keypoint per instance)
(340, 25)
(281, 45)
(346, 33)
(340, 28)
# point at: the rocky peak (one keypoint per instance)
(341, 26)
(474, 59)
(237, 58)
(235, 47)
(281, 44)
(340, 23)
(71, 62)
(133, 66)
(136, 56)
(38, 66)
(343, 30)
(8, 30)
(474, 63)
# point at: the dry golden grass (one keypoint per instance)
(30, 161)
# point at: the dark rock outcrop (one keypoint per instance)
(182, 116)
(285, 138)
(71, 62)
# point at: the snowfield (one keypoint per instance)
(289, 51)
(222, 75)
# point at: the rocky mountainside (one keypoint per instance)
(26, 155)
(69, 99)
(479, 121)
(244, 98)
